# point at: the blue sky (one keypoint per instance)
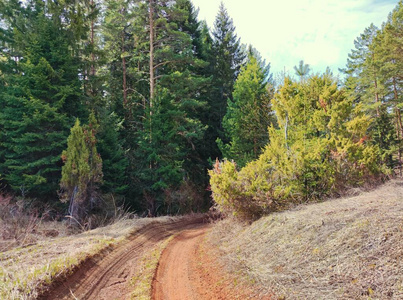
(320, 32)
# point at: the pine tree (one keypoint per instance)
(388, 44)
(158, 95)
(82, 20)
(372, 80)
(117, 30)
(302, 70)
(363, 71)
(173, 101)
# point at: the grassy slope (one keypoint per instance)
(25, 271)
(349, 248)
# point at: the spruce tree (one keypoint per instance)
(40, 96)
(114, 160)
(249, 114)
(227, 60)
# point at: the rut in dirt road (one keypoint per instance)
(188, 269)
(175, 276)
(109, 278)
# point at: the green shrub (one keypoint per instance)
(320, 149)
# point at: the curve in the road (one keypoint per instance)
(108, 278)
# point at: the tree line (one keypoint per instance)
(149, 74)
(330, 134)
(138, 98)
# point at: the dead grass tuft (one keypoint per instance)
(349, 248)
(22, 225)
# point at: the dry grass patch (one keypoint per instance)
(142, 283)
(26, 271)
(348, 248)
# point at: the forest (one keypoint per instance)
(140, 103)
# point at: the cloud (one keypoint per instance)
(321, 32)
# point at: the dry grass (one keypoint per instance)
(33, 230)
(348, 248)
(142, 283)
(25, 271)
(21, 225)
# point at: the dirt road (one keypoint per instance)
(176, 278)
(109, 277)
(189, 270)
(186, 269)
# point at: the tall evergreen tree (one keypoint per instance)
(82, 18)
(114, 160)
(227, 60)
(388, 44)
(39, 99)
(302, 70)
(363, 71)
(367, 84)
(163, 84)
(249, 114)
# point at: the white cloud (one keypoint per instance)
(321, 32)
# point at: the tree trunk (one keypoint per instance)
(152, 79)
(376, 98)
(376, 90)
(399, 127)
(124, 73)
(92, 40)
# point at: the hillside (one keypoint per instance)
(350, 248)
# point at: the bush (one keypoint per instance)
(320, 150)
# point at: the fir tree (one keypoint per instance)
(114, 161)
(249, 114)
(39, 98)
(227, 60)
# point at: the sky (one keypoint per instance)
(320, 32)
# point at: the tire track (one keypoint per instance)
(189, 270)
(174, 278)
(108, 277)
